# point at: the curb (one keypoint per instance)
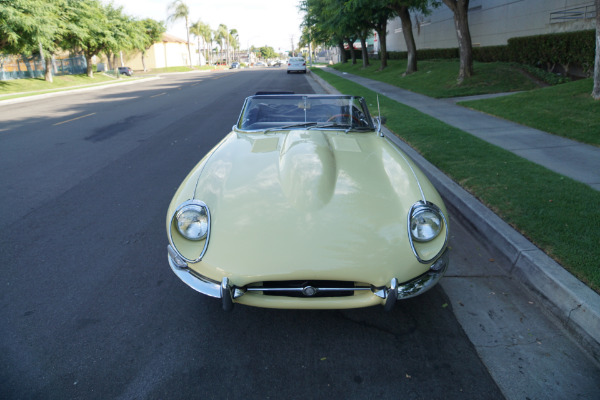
(576, 306)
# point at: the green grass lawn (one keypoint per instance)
(23, 87)
(437, 78)
(559, 215)
(566, 110)
(28, 87)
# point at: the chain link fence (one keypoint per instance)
(18, 67)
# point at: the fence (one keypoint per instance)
(20, 67)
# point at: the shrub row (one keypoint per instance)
(564, 49)
(567, 50)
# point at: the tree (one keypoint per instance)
(267, 52)
(153, 31)
(221, 36)
(196, 30)
(128, 33)
(596, 91)
(402, 8)
(374, 14)
(32, 26)
(94, 34)
(460, 9)
(180, 10)
(234, 41)
(331, 22)
(207, 36)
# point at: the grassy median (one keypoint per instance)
(34, 86)
(559, 215)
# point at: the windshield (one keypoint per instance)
(307, 111)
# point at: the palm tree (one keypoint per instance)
(196, 30)
(180, 10)
(234, 41)
(221, 34)
(207, 36)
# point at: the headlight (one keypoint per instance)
(191, 220)
(425, 222)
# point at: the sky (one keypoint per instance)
(258, 22)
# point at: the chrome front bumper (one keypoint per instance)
(228, 293)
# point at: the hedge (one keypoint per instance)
(567, 50)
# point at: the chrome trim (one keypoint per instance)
(402, 154)
(301, 289)
(392, 295)
(228, 293)
(196, 281)
(410, 238)
(305, 97)
(426, 281)
(206, 239)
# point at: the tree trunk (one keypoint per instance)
(48, 65)
(411, 48)
(596, 91)
(363, 49)
(381, 32)
(88, 60)
(352, 51)
(460, 8)
(116, 66)
(144, 60)
(343, 58)
(187, 31)
(199, 54)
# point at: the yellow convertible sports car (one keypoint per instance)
(305, 204)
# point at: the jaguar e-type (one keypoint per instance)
(305, 204)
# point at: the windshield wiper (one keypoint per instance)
(303, 124)
(330, 125)
(347, 128)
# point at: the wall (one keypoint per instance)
(493, 22)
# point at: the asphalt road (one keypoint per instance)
(89, 308)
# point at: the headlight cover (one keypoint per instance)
(192, 220)
(425, 223)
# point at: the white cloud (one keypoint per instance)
(258, 22)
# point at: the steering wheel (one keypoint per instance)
(354, 118)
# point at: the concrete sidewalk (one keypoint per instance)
(573, 304)
(578, 161)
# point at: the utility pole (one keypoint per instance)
(292, 40)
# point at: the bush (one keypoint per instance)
(567, 50)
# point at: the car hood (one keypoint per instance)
(308, 205)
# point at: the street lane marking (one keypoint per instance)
(160, 94)
(73, 119)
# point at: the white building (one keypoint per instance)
(493, 22)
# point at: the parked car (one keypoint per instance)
(125, 71)
(260, 64)
(234, 65)
(296, 64)
(306, 205)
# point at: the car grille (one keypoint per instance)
(315, 288)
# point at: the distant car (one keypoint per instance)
(125, 71)
(306, 205)
(260, 64)
(234, 65)
(275, 63)
(296, 64)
